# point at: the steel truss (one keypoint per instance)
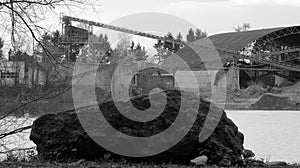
(235, 54)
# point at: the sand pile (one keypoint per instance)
(292, 89)
(253, 91)
(272, 102)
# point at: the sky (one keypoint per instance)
(213, 16)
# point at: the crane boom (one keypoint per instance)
(148, 35)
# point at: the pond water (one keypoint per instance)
(271, 135)
(16, 141)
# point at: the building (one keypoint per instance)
(247, 57)
(276, 51)
(12, 72)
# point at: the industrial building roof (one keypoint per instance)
(209, 48)
(238, 40)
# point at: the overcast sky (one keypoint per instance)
(214, 16)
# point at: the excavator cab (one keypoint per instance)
(150, 78)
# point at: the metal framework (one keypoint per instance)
(124, 30)
(281, 33)
(235, 54)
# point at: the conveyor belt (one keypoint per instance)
(255, 58)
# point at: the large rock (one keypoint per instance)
(61, 136)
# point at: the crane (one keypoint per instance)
(235, 54)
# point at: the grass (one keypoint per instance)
(30, 160)
(90, 164)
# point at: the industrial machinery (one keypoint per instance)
(67, 23)
(150, 78)
(165, 80)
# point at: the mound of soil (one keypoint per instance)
(252, 91)
(272, 102)
(292, 89)
(62, 137)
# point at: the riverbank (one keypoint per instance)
(256, 97)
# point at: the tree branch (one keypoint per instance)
(18, 130)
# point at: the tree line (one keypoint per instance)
(99, 49)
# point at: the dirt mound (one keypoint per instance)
(272, 102)
(252, 91)
(292, 89)
(61, 136)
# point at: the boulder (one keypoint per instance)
(61, 136)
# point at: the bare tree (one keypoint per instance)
(1, 52)
(21, 19)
